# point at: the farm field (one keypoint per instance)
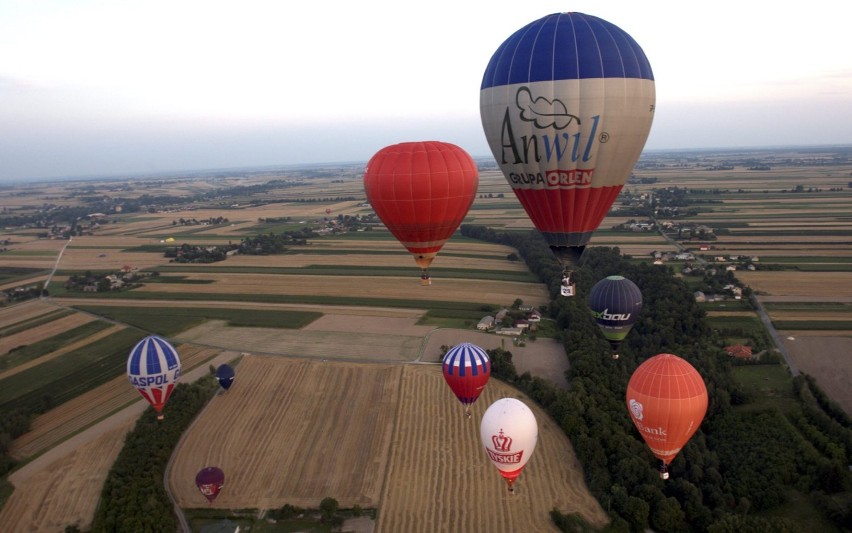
(366, 287)
(66, 492)
(308, 431)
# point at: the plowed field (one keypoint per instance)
(392, 437)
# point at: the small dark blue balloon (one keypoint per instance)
(225, 375)
(615, 303)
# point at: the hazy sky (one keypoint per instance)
(106, 87)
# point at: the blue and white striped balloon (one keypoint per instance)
(153, 367)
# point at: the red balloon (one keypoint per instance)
(667, 400)
(421, 191)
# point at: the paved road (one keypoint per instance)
(776, 338)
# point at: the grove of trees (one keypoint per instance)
(746, 462)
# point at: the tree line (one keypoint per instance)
(747, 461)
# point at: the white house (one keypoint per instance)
(486, 323)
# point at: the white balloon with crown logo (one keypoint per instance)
(509, 433)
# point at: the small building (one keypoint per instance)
(486, 323)
(739, 351)
(511, 332)
(699, 296)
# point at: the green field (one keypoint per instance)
(768, 386)
(22, 354)
(170, 321)
(69, 375)
(30, 323)
(821, 325)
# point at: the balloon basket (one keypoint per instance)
(664, 471)
(569, 289)
(615, 356)
(425, 281)
(161, 417)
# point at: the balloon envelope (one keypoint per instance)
(153, 367)
(509, 433)
(466, 368)
(421, 191)
(225, 376)
(210, 481)
(615, 302)
(667, 400)
(566, 104)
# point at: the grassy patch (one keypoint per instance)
(767, 386)
(819, 307)
(69, 375)
(22, 354)
(742, 326)
(727, 305)
(12, 274)
(169, 321)
(280, 298)
(818, 325)
(178, 279)
(800, 508)
(24, 325)
(523, 276)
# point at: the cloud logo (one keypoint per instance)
(542, 112)
(636, 409)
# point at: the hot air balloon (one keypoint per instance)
(615, 302)
(509, 433)
(667, 400)
(421, 191)
(210, 481)
(566, 104)
(153, 367)
(225, 376)
(466, 368)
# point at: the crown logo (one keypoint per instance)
(502, 442)
(636, 409)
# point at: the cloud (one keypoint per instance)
(543, 112)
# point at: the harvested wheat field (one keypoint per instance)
(827, 359)
(364, 345)
(21, 312)
(813, 284)
(66, 492)
(293, 431)
(440, 479)
(299, 431)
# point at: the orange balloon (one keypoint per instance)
(667, 401)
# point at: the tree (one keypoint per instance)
(328, 509)
(668, 516)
